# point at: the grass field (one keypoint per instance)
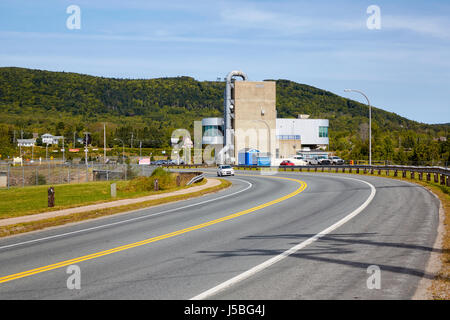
(16, 202)
(76, 217)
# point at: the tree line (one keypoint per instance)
(148, 110)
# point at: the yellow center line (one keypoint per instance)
(61, 264)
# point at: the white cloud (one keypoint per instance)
(429, 26)
(285, 23)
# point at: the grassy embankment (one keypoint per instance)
(31, 200)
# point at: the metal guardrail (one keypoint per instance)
(440, 174)
(195, 179)
(185, 166)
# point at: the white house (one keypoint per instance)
(26, 142)
(50, 139)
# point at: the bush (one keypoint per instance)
(160, 172)
(41, 180)
(166, 180)
(131, 174)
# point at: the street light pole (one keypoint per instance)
(370, 122)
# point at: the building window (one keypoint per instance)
(212, 131)
(323, 132)
(288, 137)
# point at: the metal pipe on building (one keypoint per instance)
(228, 105)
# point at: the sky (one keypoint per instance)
(400, 58)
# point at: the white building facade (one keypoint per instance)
(313, 133)
(50, 139)
(26, 142)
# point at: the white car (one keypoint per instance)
(336, 160)
(225, 170)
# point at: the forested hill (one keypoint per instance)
(36, 90)
(38, 101)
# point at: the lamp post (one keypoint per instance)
(370, 122)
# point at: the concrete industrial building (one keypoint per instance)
(250, 124)
(255, 115)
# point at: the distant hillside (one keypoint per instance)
(61, 103)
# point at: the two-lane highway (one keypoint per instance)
(321, 231)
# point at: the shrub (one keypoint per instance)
(166, 180)
(42, 180)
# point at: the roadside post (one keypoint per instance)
(51, 197)
(113, 190)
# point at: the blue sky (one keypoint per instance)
(404, 67)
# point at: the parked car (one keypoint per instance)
(325, 161)
(299, 161)
(287, 163)
(313, 161)
(160, 162)
(225, 170)
(336, 160)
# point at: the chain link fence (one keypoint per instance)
(57, 173)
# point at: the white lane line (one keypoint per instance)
(249, 185)
(285, 254)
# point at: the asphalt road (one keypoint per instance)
(193, 248)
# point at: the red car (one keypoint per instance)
(287, 163)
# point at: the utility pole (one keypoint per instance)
(140, 150)
(85, 156)
(20, 145)
(63, 150)
(104, 142)
(86, 149)
(74, 141)
(132, 139)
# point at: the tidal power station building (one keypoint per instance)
(250, 126)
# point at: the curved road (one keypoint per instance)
(235, 244)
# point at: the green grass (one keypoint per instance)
(16, 202)
(75, 217)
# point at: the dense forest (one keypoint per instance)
(148, 110)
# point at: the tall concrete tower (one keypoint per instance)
(255, 117)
